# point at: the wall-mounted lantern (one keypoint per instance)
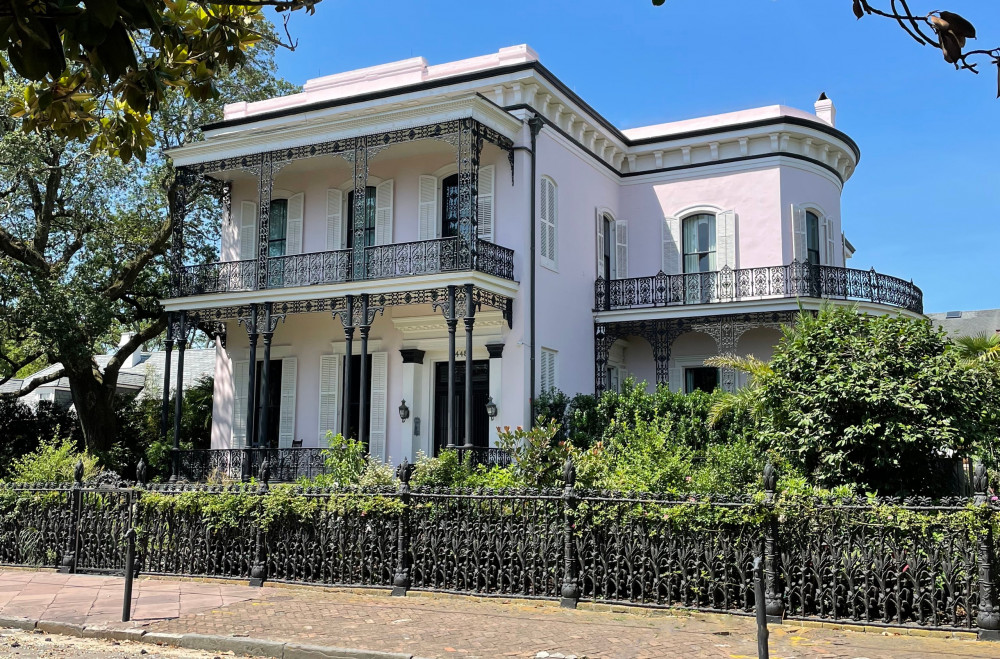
(491, 408)
(404, 411)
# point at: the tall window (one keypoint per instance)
(700, 378)
(608, 225)
(278, 228)
(369, 217)
(549, 220)
(699, 243)
(812, 238)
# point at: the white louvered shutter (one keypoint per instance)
(248, 231)
(830, 249)
(334, 219)
(671, 258)
(329, 395)
(549, 218)
(380, 395)
(599, 216)
(548, 374)
(799, 246)
(725, 240)
(240, 403)
(621, 249)
(286, 414)
(427, 211)
(485, 203)
(383, 213)
(296, 217)
(676, 377)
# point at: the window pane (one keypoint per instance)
(699, 243)
(279, 219)
(369, 217)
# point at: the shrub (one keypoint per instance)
(537, 455)
(442, 471)
(53, 461)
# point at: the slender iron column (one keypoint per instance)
(179, 393)
(349, 353)
(265, 185)
(251, 435)
(265, 379)
(452, 322)
(363, 382)
(165, 408)
(470, 319)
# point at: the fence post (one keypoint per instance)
(773, 596)
(68, 563)
(258, 573)
(988, 619)
(401, 581)
(570, 584)
(761, 608)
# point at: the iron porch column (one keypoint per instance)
(349, 353)
(251, 436)
(265, 379)
(165, 407)
(452, 322)
(363, 382)
(358, 269)
(470, 319)
(265, 185)
(179, 393)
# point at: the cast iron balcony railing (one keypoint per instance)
(424, 257)
(782, 281)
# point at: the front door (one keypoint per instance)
(480, 396)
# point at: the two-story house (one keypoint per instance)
(411, 252)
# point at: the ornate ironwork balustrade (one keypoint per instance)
(423, 257)
(796, 280)
(285, 464)
(489, 456)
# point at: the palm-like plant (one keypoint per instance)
(981, 348)
(746, 400)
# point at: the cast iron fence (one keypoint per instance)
(780, 281)
(380, 262)
(846, 560)
(286, 464)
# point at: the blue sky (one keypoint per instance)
(925, 200)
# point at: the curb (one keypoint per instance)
(239, 645)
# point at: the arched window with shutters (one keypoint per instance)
(699, 243)
(813, 236)
(612, 246)
(549, 222)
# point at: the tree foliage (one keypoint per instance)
(871, 400)
(101, 70)
(83, 238)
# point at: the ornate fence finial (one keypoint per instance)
(78, 472)
(265, 473)
(980, 482)
(770, 478)
(569, 472)
(140, 472)
(404, 471)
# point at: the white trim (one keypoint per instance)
(764, 305)
(340, 347)
(686, 362)
(707, 171)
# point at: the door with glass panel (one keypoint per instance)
(699, 258)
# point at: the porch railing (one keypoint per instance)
(489, 456)
(421, 257)
(781, 281)
(284, 464)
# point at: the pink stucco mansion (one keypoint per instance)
(410, 252)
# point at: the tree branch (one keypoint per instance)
(34, 384)
(115, 364)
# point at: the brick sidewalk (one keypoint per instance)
(441, 626)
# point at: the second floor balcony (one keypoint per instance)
(795, 280)
(422, 257)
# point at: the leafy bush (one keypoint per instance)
(53, 461)
(347, 463)
(442, 471)
(537, 455)
(870, 400)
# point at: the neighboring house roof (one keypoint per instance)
(144, 374)
(968, 323)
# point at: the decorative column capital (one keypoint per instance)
(495, 350)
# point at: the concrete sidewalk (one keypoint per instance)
(430, 625)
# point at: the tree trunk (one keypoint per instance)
(95, 409)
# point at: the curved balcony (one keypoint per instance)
(796, 280)
(422, 257)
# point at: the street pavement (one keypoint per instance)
(30, 645)
(432, 626)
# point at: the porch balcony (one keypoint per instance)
(795, 280)
(423, 257)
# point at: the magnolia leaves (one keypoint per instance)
(952, 31)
